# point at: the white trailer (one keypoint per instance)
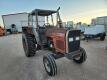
(14, 19)
(95, 31)
(100, 21)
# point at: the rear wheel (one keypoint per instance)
(50, 65)
(29, 45)
(82, 57)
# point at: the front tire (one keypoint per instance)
(50, 65)
(28, 45)
(82, 58)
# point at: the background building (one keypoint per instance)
(14, 19)
(14, 22)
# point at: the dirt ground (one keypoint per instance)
(15, 66)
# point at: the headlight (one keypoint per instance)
(77, 38)
(70, 39)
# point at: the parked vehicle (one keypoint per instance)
(95, 31)
(60, 41)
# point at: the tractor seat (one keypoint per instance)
(42, 35)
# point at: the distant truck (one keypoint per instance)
(95, 31)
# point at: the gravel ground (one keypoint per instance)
(15, 66)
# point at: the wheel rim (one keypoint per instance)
(47, 66)
(78, 58)
(51, 46)
(36, 45)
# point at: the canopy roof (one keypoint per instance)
(41, 12)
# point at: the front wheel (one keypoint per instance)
(82, 58)
(50, 65)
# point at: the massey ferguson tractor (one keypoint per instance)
(59, 41)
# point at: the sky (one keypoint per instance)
(71, 10)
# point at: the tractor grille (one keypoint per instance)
(73, 40)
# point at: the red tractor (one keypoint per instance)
(60, 41)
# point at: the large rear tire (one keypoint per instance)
(29, 45)
(50, 65)
(82, 58)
